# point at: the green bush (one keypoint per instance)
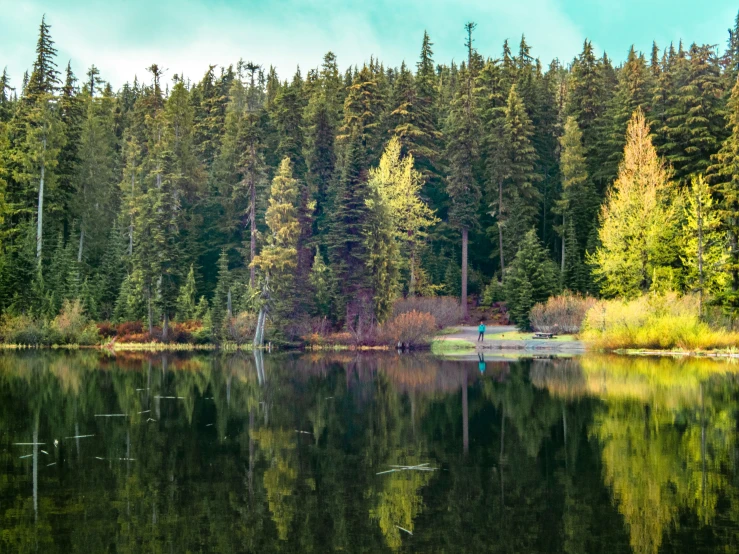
(23, 329)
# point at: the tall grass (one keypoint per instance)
(653, 322)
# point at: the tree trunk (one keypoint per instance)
(130, 226)
(500, 227)
(82, 244)
(229, 311)
(149, 308)
(700, 258)
(40, 218)
(412, 283)
(165, 326)
(252, 223)
(564, 233)
(465, 240)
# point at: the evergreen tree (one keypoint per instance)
(704, 245)
(578, 203)
(725, 174)
(187, 300)
(532, 277)
(694, 123)
(636, 223)
(520, 204)
(462, 151)
(346, 241)
(279, 257)
(220, 303)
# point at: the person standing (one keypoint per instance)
(481, 330)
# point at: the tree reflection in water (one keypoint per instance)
(281, 453)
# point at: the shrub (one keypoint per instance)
(23, 329)
(561, 314)
(72, 326)
(653, 322)
(409, 328)
(240, 328)
(445, 310)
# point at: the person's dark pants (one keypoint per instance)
(481, 337)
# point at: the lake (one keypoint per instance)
(366, 453)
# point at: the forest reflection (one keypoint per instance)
(282, 453)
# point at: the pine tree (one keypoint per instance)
(362, 116)
(186, 299)
(279, 257)
(322, 282)
(574, 274)
(636, 221)
(694, 123)
(219, 305)
(704, 245)
(346, 240)
(44, 78)
(520, 198)
(462, 128)
(578, 203)
(632, 92)
(396, 186)
(725, 174)
(532, 277)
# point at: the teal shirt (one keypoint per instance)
(481, 328)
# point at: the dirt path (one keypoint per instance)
(545, 346)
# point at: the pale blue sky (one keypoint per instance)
(122, 37)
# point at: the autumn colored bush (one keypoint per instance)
(408, 328)
(72, 326)
(446, 310)
(241, 328)
(653, 321)
(561, 314)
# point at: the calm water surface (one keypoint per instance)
(228, 453)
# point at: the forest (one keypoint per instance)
(314, 202)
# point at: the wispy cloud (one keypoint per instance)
(123, 37)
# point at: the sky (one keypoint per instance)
(123, 37)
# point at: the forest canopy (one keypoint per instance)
(327, 195)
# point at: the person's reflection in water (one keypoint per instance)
(481, 364)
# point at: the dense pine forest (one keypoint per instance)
(315, 201)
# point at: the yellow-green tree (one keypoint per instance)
(398, 186)
(637, 228)
(704, 244)
(279, 257)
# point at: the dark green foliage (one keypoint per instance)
(155, 195)
(531, 278)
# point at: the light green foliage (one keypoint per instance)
(704, 244)
(638, 225)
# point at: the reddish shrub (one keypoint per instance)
(561, 314)
(446, 310)
(106, 329)
(409, 328)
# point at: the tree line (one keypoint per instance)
(330, 194)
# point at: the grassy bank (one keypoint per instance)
(654, 323)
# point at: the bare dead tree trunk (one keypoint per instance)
(465, 240)
(165, 326)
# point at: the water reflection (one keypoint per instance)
(243, 453)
